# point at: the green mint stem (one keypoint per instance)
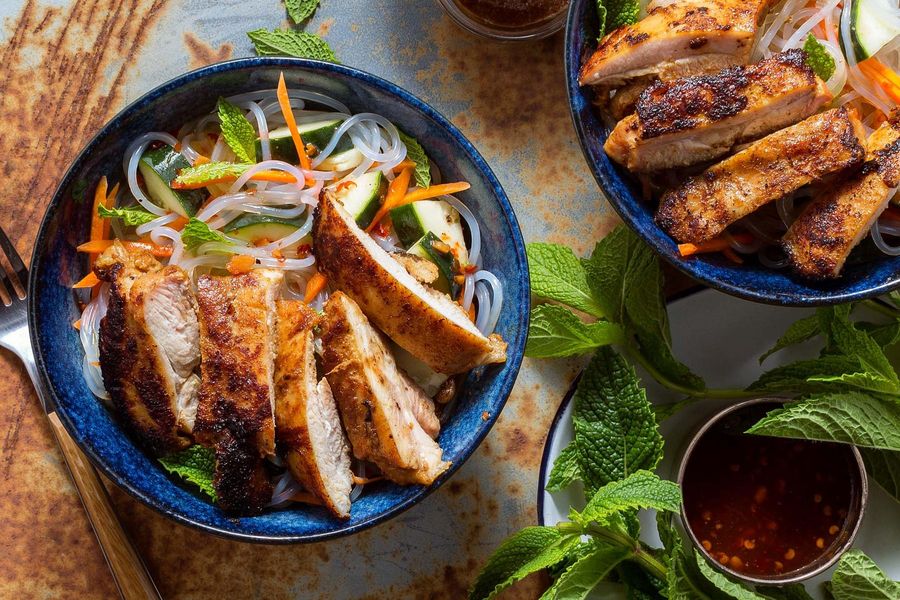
(721, 393)
(881, 308)
(638, 552)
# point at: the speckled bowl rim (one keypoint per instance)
(515, 350)
(697, 268)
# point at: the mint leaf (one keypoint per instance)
(197, 233)
(287, 42)
(557, 274)
(239, 134)
(683, 578)
(724, 584)
(856, 343)
(208, 173)
(300, 10)
(884, 467)
(529, 550)
(818, 58)
(640, 490)
(130, 215)
(195, 464)
(556, 331)
(858, 578)
(565, 469)
(884, 335)
(615, 431)
(801, 376)
(601, 17)
(416, 153)
(584, 574)
(870, 382)
(849, 417)
(798, 332)
(794, 591)
(619, 13)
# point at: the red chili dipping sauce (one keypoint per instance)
(512, 14)
(765, 506)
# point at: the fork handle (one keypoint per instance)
(128, 569)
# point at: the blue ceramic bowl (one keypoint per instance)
(56, 265)
(752, 281)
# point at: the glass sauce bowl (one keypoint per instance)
(508, 20)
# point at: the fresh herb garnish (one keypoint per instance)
(197, 233)
(416, 153)
(300, 10)
(194, 464)
(857, 577)
(207, 173)
(130, 215)
(287, 42)
(818, 58)
(612, 14)
(238, 132)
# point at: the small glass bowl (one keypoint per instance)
(537, 31)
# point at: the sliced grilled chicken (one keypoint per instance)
(830, 226)
(388, 418)
(235, 413)
(771, 168)
(425, 322)
(682, 35)
(307, 425)
(150, 347)
(696, 119)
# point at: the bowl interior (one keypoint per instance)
(860, 279)
(56, 265)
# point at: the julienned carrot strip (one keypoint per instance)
(77, 324)
(731, 255)
(314, 287)
(886, 78)
(200, 160)
(101, 245)
(434, 191)
(285, 103)
(179, 223)
(240, 264)
(267, 175)
(718, 244)
(89, 281)
(395, 194)
(97, 222)
(407, 163)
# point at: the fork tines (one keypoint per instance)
(13, 275)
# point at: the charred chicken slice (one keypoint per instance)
(427, 323)
(235, 414)
(830, 226)
(381, 408)
(307, 425)
(150, 347)
(696, 119)
(771, 168)
(680, 35)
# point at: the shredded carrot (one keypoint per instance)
(357, 480)
(77, 324)
(396, 193)
(406, 164)
(345, 185)
(278, 254)
(200, 160)
(268, 175)
(731, 255)
(314, 287)
(434, 191)
(285, 102)
(240, 264)
(98, 223)
(179, 223)
(89, 281)
(718, 244)
(883, 75)
(101, 245)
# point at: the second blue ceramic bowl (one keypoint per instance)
(751, 281)
(56, 266)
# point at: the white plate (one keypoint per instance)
(721, 338)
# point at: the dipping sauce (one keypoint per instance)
(512, 14)
(763, 506)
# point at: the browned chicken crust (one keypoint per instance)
(771, 168)
(830, 226)
(307, 425)
(425, 322)
(674, 33)
(235, 414)
(380, 406)
(143, 386)
(696, 119)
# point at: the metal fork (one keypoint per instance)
(128, 569)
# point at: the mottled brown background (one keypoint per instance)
(66, 66)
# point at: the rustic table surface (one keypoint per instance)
(66, 67)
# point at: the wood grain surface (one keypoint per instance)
(66, 66)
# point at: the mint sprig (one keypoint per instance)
(300, 10)
(857, 577)
(196, 233)
(287, 42)
(237, 131)
(416, 153)
(196, 465)
(130, 215)
(818, 58)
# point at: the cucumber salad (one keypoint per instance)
(237, 190)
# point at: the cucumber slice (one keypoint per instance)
(342, 161)
(317, 134)
(428, 379)
(445, 261)
(252, 228)
(412, 221)
(873, 23)
(364, 199)
(158, 168)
